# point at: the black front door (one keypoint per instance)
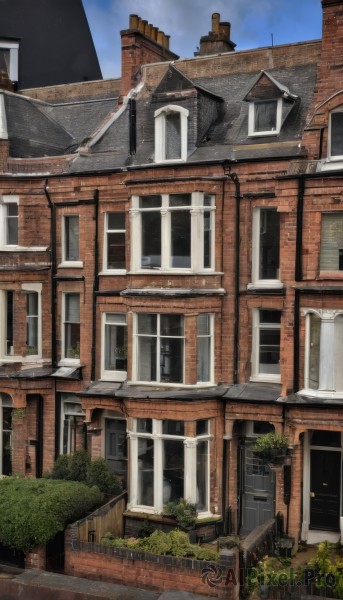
(325, 491)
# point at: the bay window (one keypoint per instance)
(167, 465)
(173, 232)
(324, 352)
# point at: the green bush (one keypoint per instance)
(99, 474)
(174, 543)
(79, 467)
(33, 511)
(185, 513)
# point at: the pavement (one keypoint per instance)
(34, 584)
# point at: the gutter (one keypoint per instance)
(238, 197)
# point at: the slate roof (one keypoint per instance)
(217, 122)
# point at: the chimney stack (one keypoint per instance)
(218, 40)
(141, 44)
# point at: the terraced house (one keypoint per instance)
(171, 280)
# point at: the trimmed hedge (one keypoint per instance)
(33, 511)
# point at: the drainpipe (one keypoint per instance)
(299, 233)
(96, 280)
(238, 197)
(53, 272)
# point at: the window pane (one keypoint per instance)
(153, 201)
(204, 359)
(203, 324)
(173, 427)
(270, 316)
(147, 324)
(116, 220)
(173, 470)
(171, 360)
(145, 492)
(12, 224)
(72, 340)
(269, 361)
(207, 239)
(202, 476)
(116, 250)
(337, 134)
(326, 438)
(313, 369)
(6, 452)
(181, 239)
(5, 60)
(176, 200)
(269, 244)
(265, 116)
(115, 347)
(202, 427)
(172, 325)
(151, 240)
(9, 322)
(147, 356)
(72, 238)
(331, 242)
(173, 136)
(144, 425)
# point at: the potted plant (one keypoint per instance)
(271, 447)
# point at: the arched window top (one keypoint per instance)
(171, 128)
(5, 400)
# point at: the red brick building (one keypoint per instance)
(171, 275)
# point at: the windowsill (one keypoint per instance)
(113, 272)
(71, 264)
(255, 134)
(330, 275)
(115, 376)
(23, 248)
(331, 164)
(159, 271)
(33, 359)
(321, 394)
(265, 378)
(160, 161)
(159, 384)
(267, 284)
(69, 362)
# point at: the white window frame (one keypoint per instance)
(13, 47)
(35, 288)
(211, 357)
(190, 467)
(255, 358)
(336, 157)
(5, 201)
(66, 263)
(105, 373)
(255, 254)
(107, 270)
(68, 408)
(135, 362)
(251, 118)
(327, 365)
(3, 119)
(65, 361)
(197, 210)
(160, 132)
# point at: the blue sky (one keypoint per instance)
(253, 23)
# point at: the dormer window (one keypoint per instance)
(9, 51)
(171, 133)
(336, 134)
(265, 117)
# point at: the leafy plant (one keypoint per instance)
(185, 513)
(328, 567)
(33, 511)
(80, 467)
(270, 444)
(174, 543)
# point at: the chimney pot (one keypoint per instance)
(215, 22)
(160, 36)
(134, 20)
(167, 39)
(154, 32)
(142, 24)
